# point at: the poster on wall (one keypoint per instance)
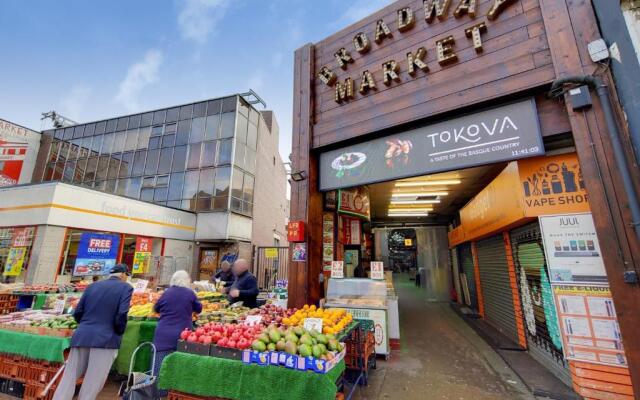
(572, 249)
(328, 246)
(355, 202)
(142, 256)
(351, 231)
(331, 200)
(18, 150)
(15, 261)
(589, 325)
(97, 254)
(299, 252)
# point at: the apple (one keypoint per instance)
(200, 332)
(206, 339)
(223, 342)
(185, 334)
(232, 344)
(192, 338)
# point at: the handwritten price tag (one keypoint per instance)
(337, 269)
(313, 324)
(253, 320)
(140, 286)
(377, 270)
(58, 306)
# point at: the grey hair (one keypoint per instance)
(181, 279)
(225, 263)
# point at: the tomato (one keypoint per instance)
(232, 344)
(185, 334)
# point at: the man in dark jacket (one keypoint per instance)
(225, 274)
(245, 287)
(102, 319)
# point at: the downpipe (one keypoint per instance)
(620, 155)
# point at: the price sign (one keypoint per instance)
(58, 306)
(377, 270)
(337, 269)
(313, 324)
(140, 286)
(253, 320)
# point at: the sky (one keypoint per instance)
(91, 60)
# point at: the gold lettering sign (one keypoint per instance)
(392, 70)
(343, 58)
(406, 19)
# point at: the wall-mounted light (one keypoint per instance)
(298, 176)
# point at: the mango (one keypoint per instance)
(304, 350)
(291, 348)
(259, 345)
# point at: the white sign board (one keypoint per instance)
(379, 318)
(313, 324)
(337, 269)
(140, 286)
(377, 270)
(572, 249)
(58, 306)
(253, 320)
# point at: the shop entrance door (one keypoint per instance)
(208, 262)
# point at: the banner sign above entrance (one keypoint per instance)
(504, 133)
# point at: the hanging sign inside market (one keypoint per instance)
(414, 65)
(499, 134)
(97, 254)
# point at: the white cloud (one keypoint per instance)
(198, 18)
(73, 104)
(361, 9)
(139, 75)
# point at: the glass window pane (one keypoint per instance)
(103, 167)
(99, 185)
(89, 130)
(154, 142)
(149, 182)
(101, 127)
(219, 203)
(143, 137)
(222, 181)
(157, 130)
(57, 173)
(114, 164)
(194, 156)
(151, 166)
(175, 186)
(168, 140)
(122, 123)
(185, 111)
(78, 131)
(236, 185)
(214, 107)
(212, 128)
(107, 145)
(48, 172)
(138, 163)
(64, 152)
(174, 204)
(236, 204)
(133, 188)
(162, 180)
(69, 170)
(252, 136)
(134, 121)
(90, 171)
(250, 160)
(172, 114)
(247, 208)
(81, 166)
(118, 145)
(68, 134)
(229, 104)
(132, 140)
(96, 145)
(146, 119)
(121, 188)
(205, 187)
(203, 203)
(209, 154)
(85, 147)
(241, 130)
(239, 156)
(248, 188)
(190, 184)
(160, 194)
(179, 158)
(197, 130)
(170, 128)
(111, 125)
(146, 194)
(199, 110)
(182, 134)
(53, 151)
(110, 186)
(59, 134)
(164, 166)
(224, 152)
(126, 165)
(158, 117)
(227, 126)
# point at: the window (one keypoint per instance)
(81, 166)
(146, 194)
(96, 144)
(103, 167)
(229, 104)
(114, 164)
(78, 131)
(122, 123)
(205, 186)
(138, 163)
(101, 127)
(146, 119)
(197, 130)
(89, 130)
(172, 114)
(162, 181)
(85, 147)
(68, 134)
(211, 130)
(143, 137)
(121, 187)
(224, 152)
(199, 110)
(149, 182)
(90, 171)
(164, 165)
(179, 158)
(182, 133)
(190, 185)
(227, 125)
(252, 136)
(131, 141)
(126, 165)
(69, 170)
(160, 195)
(242, 192)
(250, 161)
(169, 140)
(64, 152)
(175, 186)
(222, 181)
(111, 125)
(158, 117)
(214, 107)
(118, 144)
(133, 187)
(170, 128)
(239, 156)
(208, 154)
(107, 144)
(154, 142)
(157, 130)
(151, 166)
(194, 156)
(110, 186)
(185, 111)
(241, 130)
(134, 121)
(59, 134)
(7, 237)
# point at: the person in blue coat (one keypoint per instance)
(176, 307)
(102, 319)
(245, 286)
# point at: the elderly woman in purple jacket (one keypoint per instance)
(176, 307)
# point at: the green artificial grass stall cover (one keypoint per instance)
(35, 347)
(231, 379)
(137, 332)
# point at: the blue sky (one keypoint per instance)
(97, 59)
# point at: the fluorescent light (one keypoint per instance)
(428, 183)
(415, 201)
(420, 194)
(409, 215)
(399, 210)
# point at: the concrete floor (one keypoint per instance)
(441, 357)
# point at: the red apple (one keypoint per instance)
(192, 338)
(185, 334)
(232, 344)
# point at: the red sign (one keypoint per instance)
(355, 202)
(143, 245)
(21, 237)
(295, 231)
(350, 230)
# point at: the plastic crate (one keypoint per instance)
(34, 392)
(40, 375)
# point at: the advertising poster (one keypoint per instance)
(18, 151)
(327, 240)
(350, 230)
(142, 256)
(15, 261)
(355, 202)
(589, 325)
(572, 249)
(299, 252)
(97, 254)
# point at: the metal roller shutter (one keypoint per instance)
(466, 260)
(496, 287)
(538, 308)
(455, 275)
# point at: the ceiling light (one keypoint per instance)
(428, 183)
(436, 201)
(409, 209)
(420, 194)
(409, 215)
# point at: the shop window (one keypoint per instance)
(212, 127)
(164, 165)
(133, 188)
(182, 132)
(199, 110)
(197, 130)
(126, 165)
(107, 144)
(186, 111)
(208, 154)
(143, 137)
(146, 119)
(111, 125)
(16, 242)
(151, 166)
(138, 163)
(175, 186)
(71, 245)
(214, 107)
(190, 184)
(134, 121)
(227, 125)
(81, 166)
(158, 117)
(179, 159)
(146, 194)
(224, 152)
(169, 140)
(101, 127)
(194, 156)
(132, 140)
(89, 130)
(241, 130)
(172, 114)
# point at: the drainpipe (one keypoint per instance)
(601, 89)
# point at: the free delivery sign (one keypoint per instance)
(97, 254)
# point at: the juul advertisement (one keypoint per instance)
(504, 133)
(18, 152)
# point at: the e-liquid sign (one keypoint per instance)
(97, 254)
(501, 134)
